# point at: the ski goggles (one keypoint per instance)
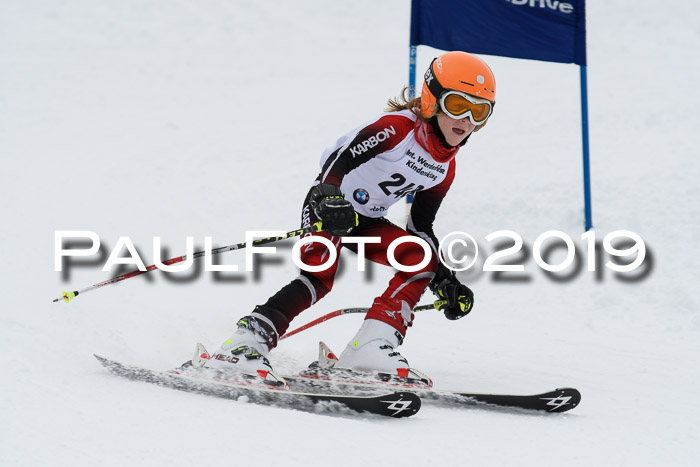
(459, 105)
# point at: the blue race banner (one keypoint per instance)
(548, 30)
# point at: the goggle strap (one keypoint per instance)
(431, 81)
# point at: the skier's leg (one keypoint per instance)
(373, 347)
(258, 332)
(302, 292)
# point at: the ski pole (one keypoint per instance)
(347, 311)
(68, 296)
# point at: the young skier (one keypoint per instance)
(410, 149)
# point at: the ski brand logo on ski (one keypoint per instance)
(399, 406)
(557, 402)
(372, 141)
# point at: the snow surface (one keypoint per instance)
(180, 118)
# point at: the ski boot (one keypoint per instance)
(369, 359)
(245, 353)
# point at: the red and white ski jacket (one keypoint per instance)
(379, 163)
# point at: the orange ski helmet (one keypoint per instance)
(459, 71)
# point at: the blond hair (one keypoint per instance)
(402, 102)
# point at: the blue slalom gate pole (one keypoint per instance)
(586, 159)
(411, 91)
(411, 71)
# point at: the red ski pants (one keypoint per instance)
(393, 306)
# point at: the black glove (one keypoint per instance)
(455, 299)
(335, 212)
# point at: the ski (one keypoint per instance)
(392, 404)
(558, 400)
(322, 374)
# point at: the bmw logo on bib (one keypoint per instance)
(361, 195)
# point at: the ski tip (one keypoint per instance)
(562, 399)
